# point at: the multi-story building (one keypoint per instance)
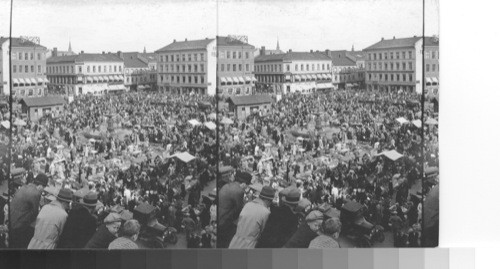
(268, 51)
(86, 73)
(290, 72)
(235, 67)
(28, 68)
(187, 67)
(346, 71)
(396, 64)
(56, 52)
(139, 70)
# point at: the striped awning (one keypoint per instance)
(328, 76)
(120, 77)
(254, 79)
(111, 78)
(314, 76)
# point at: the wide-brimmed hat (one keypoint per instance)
(291, 196)
(267, 193)
(65, 195)
(90, 199)
(41, 179)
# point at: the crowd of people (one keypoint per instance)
(325, 150)
(86, 169)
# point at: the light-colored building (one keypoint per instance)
(28, 68)
(243, 106)
(140, 70)
(347, 72)
(396, 64)
(36, 107)
(187, 67)
(290, 72)
(235, 74)
(86, 73)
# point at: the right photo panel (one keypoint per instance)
(327, 116)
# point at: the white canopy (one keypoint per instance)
(402, 120)
(19, 122)
(417, 123)
(212, 116)
(185, 157)
(227, 121)
(391, 154)
(5, 124)
(194, 122)
(210, 125)
(431, 121)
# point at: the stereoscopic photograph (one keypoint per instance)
(219, 124)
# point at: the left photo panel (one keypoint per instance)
(113, 125)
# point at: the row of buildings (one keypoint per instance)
(226, 65)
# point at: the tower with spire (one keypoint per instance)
(144, 49)
(277, 44)
(352, 49)
(69, 47)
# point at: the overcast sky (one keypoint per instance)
(127, 25)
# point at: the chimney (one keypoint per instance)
(174, 40)
(82, 52)
(103, 52)
(290, 50)
(393, 37)
(382, 39)
(414, 36)
(119, 54)
(262, 51)
(186, 39)
(54, 52)
(327, 52)
(311, 51)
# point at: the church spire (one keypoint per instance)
(144, 50)
(69, 47)
(277, 43)
(352, 47)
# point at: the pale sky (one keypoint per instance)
(128, 25)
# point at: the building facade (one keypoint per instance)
(86, 73)
(303, 72)
(243, 106)
(187, 67)
(28, 68)
(396, 64)
(347, 73)
(235, 74)
(37, 107)
(139, 70)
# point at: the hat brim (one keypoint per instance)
(290, 202)
(63, 199)
(87, 204)
(266, 197)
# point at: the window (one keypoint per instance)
(202, 56)
(392, 77)
(296, 67)
(88, 69)
(385, 55)
(410, 56)
(247, 55)
(427, 68)
(31, 56)
(404, 77)
(120, 68)
(397, 77)
(79, 69)
(39, 67)
(374, 56)
(404, 66)
(403, 54)
(39, 55)
(114, 68)
(397, 55)
(397, 66)
(202, 68)
(301, 67)
(386, 77)
(247, 67)
(189, 57)
(307, 67)
(99, 69)
(288, 67)
(386, 66)
(14, 69)
(221, 67)
(234, 67)
(312, 68)
(25, 69)
(189, 79)
(228, 55)
(234, 54)
(433, 68)
(202, 80)
(410, 77)
(93, 69)
(240, 67)
(20, 56)
(26, 56)
(183, 57)
(239, 54)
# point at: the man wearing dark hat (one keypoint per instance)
(106, 233)
(231, 201)
(81, 223)
(253, 219)
(307, 231)
(50, 221)
(24, 208)
(282, 222)
(328, 236)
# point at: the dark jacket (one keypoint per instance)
(230, 203)
(101, 238)
(301, 238)
(280, 227)
(79, 228)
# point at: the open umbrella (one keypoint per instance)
(431, 121)
(227, 121)
(6, 124)
(210, 125)
(19, 122)
(194, 122)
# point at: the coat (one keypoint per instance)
(251, 223)
(101, 238)
(24, 206)
(301, 238)
(281, 225)
(230, 203)
(79, 228)
(49, 226)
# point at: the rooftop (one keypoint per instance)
(186, 45)
(251, 99)
(340, 58)
(85, 57)
(293, 56)
(43, 101)
(228, 41)
(132, 60)
(18, 43)
(402, 43)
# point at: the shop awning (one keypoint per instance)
(33, 81)
(428, 80)
(229, 80)
(210, 125)
(287, 77)
(194, 122)
(248, 78)
(78, 78)
(296, 77)
(120, 77)
(254, 79)
(328, 76)
(21, 81)
(309, 77)
(223, 80)
(46, 80)
(435, 81)
(15, 81)
(40, 80)
(304, 77)
(105, 78)
(111, 78)
(101, 79)
(89, 79)
(241, 80)
(314, 76)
